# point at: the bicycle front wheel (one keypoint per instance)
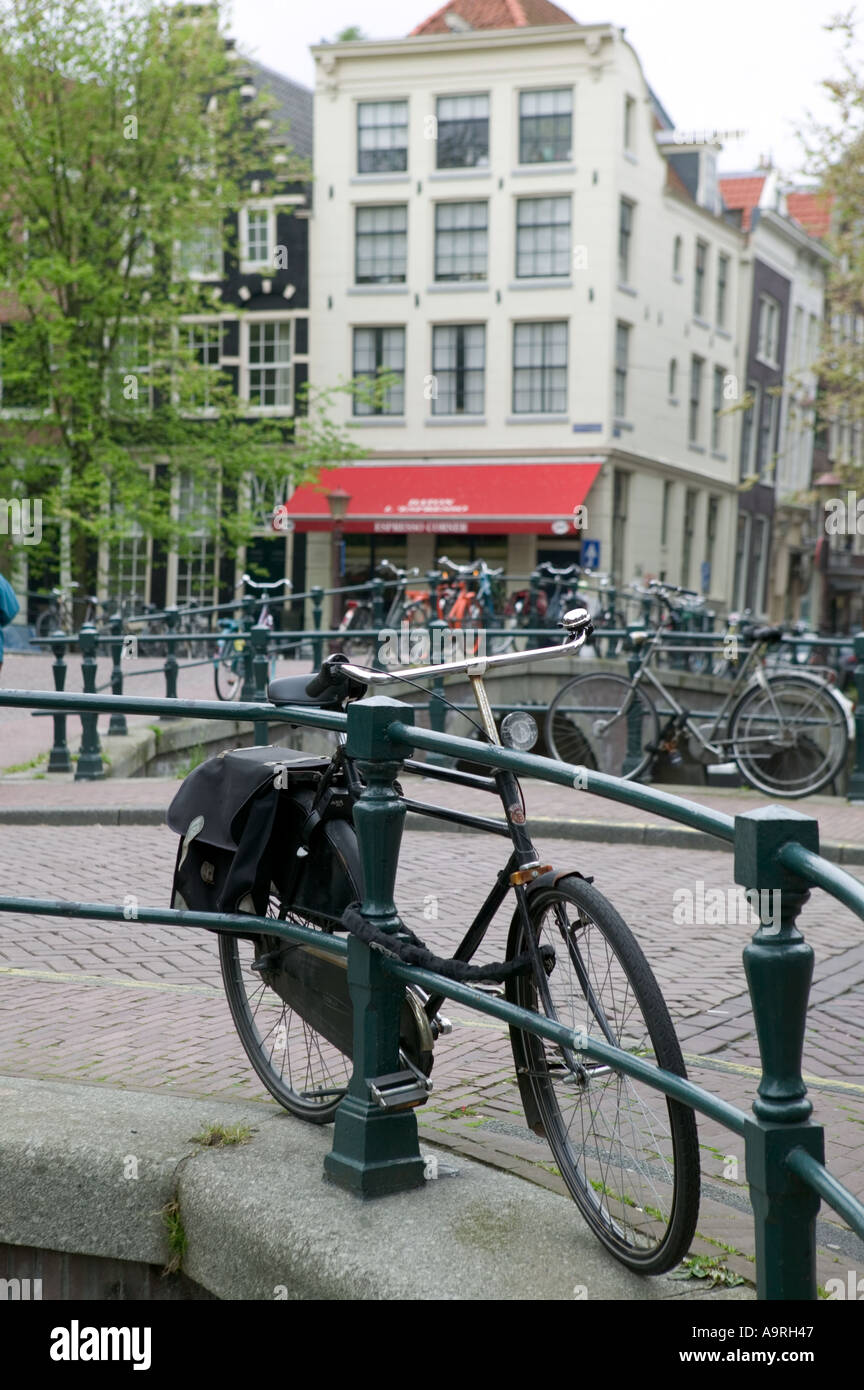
(228, 673)
(789, 736)
(628, 1156)
(598, 721)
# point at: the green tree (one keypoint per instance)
(126, 147)
(351, 34)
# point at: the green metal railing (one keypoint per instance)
(376, 1150)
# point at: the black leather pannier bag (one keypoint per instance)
(254, 824)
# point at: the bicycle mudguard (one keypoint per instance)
(533, 1118)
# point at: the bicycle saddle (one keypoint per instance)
(763, 634)
(328, 689)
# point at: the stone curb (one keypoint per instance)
(88, 1170)
(602, 832)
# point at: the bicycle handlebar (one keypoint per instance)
(258, 584)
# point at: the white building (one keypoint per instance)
(496, 223)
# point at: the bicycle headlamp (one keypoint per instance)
(519, 731)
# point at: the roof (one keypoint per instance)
(812, 209)
(742, 194)
(294, 103)
(493, 14)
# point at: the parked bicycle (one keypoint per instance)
(229, 663)
(788, 732)
(407, 604)
(270, 831)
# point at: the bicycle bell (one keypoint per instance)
(575, 619)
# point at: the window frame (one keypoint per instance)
(622, 335)
(555, 116)
(700, 278)
(460, 372)
(717, 419)
(400, 168)
(625, 239)
(555, 254)
(379, 330)
(468, 277)
(484, 161)
(359, 210)
(769, 314)
(694, 400)
(247, 367)
(250, 265)
(546, 389)
(724, 279)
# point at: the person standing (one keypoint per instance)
(8, 610)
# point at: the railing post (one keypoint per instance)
(90, 767)
(856, 779)
(316, 593)
(778, 964)
(534, 588)
(248, 620)
(59, 760)
(117, 722)
(375, 1151)
(259, 636)
(437, 709)
(377, 587)
(172, 618)
(635, 752)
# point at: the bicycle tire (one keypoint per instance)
(47, 622)
(573, 724)
(360, 650)
(773, 764)
(228, 674)
(641, 1205)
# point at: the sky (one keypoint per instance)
(738, 65)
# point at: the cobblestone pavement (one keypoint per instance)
(142, 1007)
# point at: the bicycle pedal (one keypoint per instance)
(399, 1090)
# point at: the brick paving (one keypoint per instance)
(142, 1007)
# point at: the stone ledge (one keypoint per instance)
(261, 1222)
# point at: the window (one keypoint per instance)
(130, 382)
(696, 366)
(748, 430)
(761, 543)
(199, 256)
(629, 122)
(381, 245)
(620, 499)
(542, 237)
(197, 502)
(270, 365)
(256, 239)
(378, 350)
(622, 352)
(673, 378)
(699, 279)
(677, 255)
(768, 347)
(767, 432)
(546, 126)
(459, 369)
(722, 290)
(382, 137)
(463, 132)
(625, 236)
(202, 341)
(717, 420)
(128, 564)
(711, 538)
(742, 546)
(813, 338)
(690, 498)
(664, 518)
(461, 241)
(539, 368)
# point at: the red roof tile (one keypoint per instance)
(495, 14)
(742, 195)
(812, 210)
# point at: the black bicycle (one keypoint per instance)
(270, 831)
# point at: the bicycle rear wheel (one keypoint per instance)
(789, 737)
(596, 719)
(228, 672)
(628, 1156)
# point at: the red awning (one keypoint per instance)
(459, 499)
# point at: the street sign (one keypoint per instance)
(590, 556)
